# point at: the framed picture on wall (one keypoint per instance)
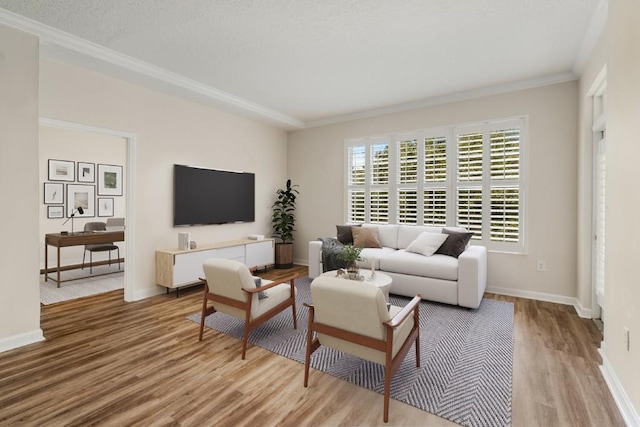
(81, 196)
(109, 180)
(62, 170)
(86, 172)
(53, 193)
(105, 206)
(55, 211)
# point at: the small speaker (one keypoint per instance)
(193, 244)
(183, 241)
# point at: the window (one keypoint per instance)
(468, 176)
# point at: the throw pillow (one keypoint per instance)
(455, 244)
(426, 243)
(344, 234)
(365, 237)
(258, 282)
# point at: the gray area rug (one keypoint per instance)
(84, 286)
(466, 357)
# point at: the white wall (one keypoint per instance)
(20, 301)
(168, 130)
(622, 296)
(78, 146)
(316, 163)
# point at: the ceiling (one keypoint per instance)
(301, 63)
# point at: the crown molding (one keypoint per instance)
(445, 99)
(594, 30)
(60, 45)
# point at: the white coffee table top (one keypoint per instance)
(380, 280)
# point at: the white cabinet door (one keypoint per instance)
(188, 266)
(260, 254)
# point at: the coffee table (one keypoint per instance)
(380, 280)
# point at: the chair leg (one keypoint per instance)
(90, 262)
(109, 258)
(418, 350)
(295, 316)
(118, 258)
(245, 338)
(83, 255)
(387, 391)
(204, 313)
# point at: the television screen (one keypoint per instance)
(210, 196)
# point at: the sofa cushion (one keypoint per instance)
(365, 237)
(344, 234)
(436, 266)
(377, 254)
(409, 233)
(387, 234)
(427, 243)
(455, 243)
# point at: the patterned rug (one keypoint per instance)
(466, 357)
(82, 287)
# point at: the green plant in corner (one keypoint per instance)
(283, 218)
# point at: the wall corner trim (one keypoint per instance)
(628, 412)
(20, 340)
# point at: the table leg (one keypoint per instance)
(46, 261)
(58, 263)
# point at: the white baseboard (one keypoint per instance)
(21, 340)
(147, 293)
(628, 412)
(301, 261)
(540, 296)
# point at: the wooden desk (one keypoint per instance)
(76, 239)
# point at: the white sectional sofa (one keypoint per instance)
(458, 281)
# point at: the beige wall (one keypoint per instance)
(19, 304)
(168, 130)
(78, 146)
(316, 163)
(622, 297)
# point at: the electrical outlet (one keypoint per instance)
(626, 338)
(541, 265)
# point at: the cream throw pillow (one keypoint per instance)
(427, 243)
(365, 237)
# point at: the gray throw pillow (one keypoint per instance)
(455, 244)
(345, 234)
(258, 282)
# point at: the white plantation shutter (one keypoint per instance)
(356, 165)
(379, 207)
(407, 178)
(356, 206)
(380, 164)
(435, 160)
(470, 157)
(435, 207)
(505, 214)
(408, 161)
(505, 154)
(407, 206)
(356, 183)
(469, 210)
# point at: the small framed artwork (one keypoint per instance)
(62, 170)
(81, 196)
(53, 193)
(105, 206)
(55, 211)
(109, 180)
(86, 172)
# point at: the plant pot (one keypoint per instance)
(284, 255)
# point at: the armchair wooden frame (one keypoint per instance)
(250, 324)
(391, 363)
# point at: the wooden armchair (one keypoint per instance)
(232, 290)
(352, 317)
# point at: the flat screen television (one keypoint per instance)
(210, 196)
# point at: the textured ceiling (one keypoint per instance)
(317, 59)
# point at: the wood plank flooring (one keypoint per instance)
(107, 362)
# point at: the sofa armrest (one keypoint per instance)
(315, 258)
(472, 276)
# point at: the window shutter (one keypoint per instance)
(407, 206)
(469, 210)
(408, 161)
(470, 157)
(379, 209)
(505, 214)
(356, 167)
(505, 154)
(356, 206)
(435, 159)
(380, 164)
(435, 207)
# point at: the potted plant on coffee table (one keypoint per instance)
(351, 254)
(283, 221)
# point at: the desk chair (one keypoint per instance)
(352, 317)
(103, 247)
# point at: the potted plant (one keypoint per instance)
(351, 254)
(283, 220)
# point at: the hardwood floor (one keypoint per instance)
(107, 362)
